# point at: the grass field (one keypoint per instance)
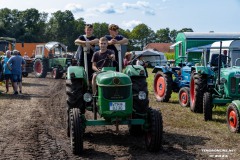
(181, 122)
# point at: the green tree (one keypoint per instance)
(100, 29)
(141, 35)
(34, 25)
(61, 28)
(173, 35)
(186, 30)
(163, 35)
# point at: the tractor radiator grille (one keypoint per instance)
(233, 85)
(116, 93)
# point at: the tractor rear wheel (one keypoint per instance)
(207, 106)
(40, 67)
(76, 131)
(198, 85)
(75, 91)
(184, 97)
(233, 118)
(154, 134)
(162, 86)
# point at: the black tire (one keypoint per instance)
(55, 73)
(68, 120)
(76, 131)
(40, 68)
(139, 84)
(24, 74)
(184, 97)
(162, 86)
(75, 91)
(198, 85)
(139, 106)
(207, 106)
(154, 134)
(233, 118)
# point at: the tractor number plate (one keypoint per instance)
(117, 106)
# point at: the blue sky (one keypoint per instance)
(200, 15)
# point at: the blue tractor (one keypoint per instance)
(171, 78)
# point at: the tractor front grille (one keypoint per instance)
(116, 93)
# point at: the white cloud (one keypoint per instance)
(131, 24)
(75, 8)
(149, 12)
(138, 5)
(108, 8)
(142, 5)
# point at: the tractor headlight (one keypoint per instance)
(142, 95)
(223, 80)
(87, 97)
(141, 73)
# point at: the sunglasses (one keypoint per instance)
(89, 25)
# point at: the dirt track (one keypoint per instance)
(33, 127)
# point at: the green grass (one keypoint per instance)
(186, 116)
(169, 55)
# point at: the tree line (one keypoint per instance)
(31, 26)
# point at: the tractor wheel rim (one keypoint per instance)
(232, 118)
(161, 86)
(183, 97)
(192, 91)
(38, 67)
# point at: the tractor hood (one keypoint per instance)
(231, 72)
(113, 78)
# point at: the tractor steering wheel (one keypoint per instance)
(107, 59)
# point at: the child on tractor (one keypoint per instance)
(100, 57)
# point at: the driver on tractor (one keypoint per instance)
(100, 59)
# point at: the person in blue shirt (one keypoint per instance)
(6, 71)
(115, 38)
(16, 64)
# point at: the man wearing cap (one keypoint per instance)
(115, 38)
(16, 64)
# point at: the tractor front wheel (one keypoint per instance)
(76, 131)
(75, 91)
(233, 118)
(184, 97)
(154, 133)
(162, 86)
(207, 106)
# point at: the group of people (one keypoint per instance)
(95, 60)
(13, 64)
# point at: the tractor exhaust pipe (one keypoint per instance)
(219, 62)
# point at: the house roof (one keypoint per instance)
(197, 35)
(161, 47)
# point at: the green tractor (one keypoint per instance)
(122, 99)
(217, 81)
(51, 57)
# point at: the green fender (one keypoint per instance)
(76, 72)
(237, 103)
(135, 70)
